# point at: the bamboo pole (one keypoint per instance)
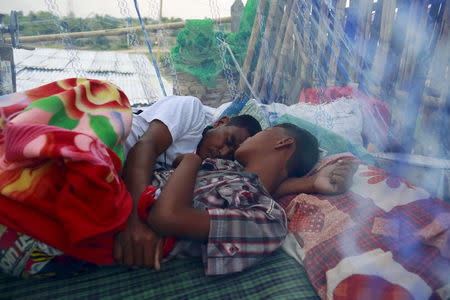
(418, 61)
(106, 32)
(270, 30)
(338, 32)
(257, 23)
(323, 28)
(295, 85)
(286, 44)
(387, 22)
(439, 73)
(396, 45)
(445, 94)
(414, 38)
(304, 35)
(274, 57)
(364, 14)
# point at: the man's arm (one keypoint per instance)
(333, 179)
(173, 214)
(136, 245)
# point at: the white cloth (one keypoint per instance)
(185, 118)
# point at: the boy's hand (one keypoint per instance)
(137, 245)
(335, 178)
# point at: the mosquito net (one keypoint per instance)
(369, 78)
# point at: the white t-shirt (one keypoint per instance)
(185, 118)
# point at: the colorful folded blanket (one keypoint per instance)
(61, 153)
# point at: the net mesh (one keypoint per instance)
(393, 54)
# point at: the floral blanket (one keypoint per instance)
(61, 147)
(384, 239)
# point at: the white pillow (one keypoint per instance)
(342, 116)
(218, 112)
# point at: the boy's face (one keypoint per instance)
(222, 141)
(260, 142)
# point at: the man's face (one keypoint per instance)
(222, 141)
(261, 141)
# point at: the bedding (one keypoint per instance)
(242, 107)
(33, 123)
(61, 144)
(376, 113)
(331, 142)
(384, 239)
(277, 276)
(343, 116)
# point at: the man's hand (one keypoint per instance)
(180, 157)
(137, 245)
(335, 178)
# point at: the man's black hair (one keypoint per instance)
(247, 122)
(306, 152)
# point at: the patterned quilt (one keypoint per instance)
(384, 239)
(61, 146)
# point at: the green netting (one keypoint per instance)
(197, 51)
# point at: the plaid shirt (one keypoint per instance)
(245, 222)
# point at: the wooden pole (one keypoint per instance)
(305, 45)
(256, 29)
(106, 32)
(322, 30)
(414, 38)
(295, 85)
(439, 77)
(396, 45)
(274, 57)
(287, 42)
(445, 94)
(364, 15)
(380, 61)
(416, 64)
(337, 35)
(266, 51)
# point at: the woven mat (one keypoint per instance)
(277, 277)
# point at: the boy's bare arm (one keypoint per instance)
(332, 179)
(135, 245)
(173, 214)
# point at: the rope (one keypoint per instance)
(147, 42)
(239, 69)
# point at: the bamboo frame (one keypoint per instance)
(298, 43)
(381, 58)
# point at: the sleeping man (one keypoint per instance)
(176, 125)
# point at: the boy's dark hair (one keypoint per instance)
(306, 152)
(247, 122)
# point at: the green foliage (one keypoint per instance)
(196, 53)
(197, 50)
